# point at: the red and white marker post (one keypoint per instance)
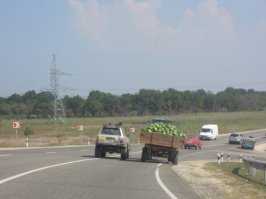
(80, 129)
(16, 125)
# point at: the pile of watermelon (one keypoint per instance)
(164, 129)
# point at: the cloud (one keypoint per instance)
(119, 24)
(93, 19)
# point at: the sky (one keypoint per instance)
(122, 46)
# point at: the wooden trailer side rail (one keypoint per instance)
(161, 140)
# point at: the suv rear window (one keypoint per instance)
(110, 131)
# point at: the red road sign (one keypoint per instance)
(80, 128)
(16, 125)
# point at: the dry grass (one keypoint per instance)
(212, 182)
(49, 133)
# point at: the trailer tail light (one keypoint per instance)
(97, 138)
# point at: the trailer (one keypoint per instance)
(159, 145)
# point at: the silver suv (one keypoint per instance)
(235, 138)
(112, 139)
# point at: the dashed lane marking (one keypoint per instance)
(4, 155)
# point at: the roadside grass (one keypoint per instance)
(50, 133)
(235, 175)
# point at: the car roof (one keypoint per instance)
(235, 134)
(164, 120)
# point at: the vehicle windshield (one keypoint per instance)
(234, 135)
(110, 131)
(205, 130)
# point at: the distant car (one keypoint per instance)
(162, 120)
(192, 141)
(235, 138)
(251, 137)
(209, 132)
(248, 143)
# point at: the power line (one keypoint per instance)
(58, 107)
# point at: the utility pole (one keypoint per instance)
(58, 108)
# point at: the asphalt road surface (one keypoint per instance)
(73, 172)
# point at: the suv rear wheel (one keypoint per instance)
(103, 154)
(97, 152)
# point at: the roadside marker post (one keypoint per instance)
(222, 157)
(240, 158)
(219, 158)
(16, 125)
(27, 142)
(132, 130)
(80, 128)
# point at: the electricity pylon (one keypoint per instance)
(58, 107)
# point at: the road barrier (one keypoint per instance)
(253, 165)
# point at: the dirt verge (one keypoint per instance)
(217, 185)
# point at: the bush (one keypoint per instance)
(28, 131)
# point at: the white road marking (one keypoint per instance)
(157, 175)
(160, 182)
(44, 168)
(3, 155)
(41, 169)
(50, 152)
(167, 191)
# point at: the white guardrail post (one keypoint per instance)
(27, 142)
(253, 165)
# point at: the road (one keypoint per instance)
(73, 172)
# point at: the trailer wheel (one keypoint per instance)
(149, 154)
(144, 154)
(124, 154)
(174, 159)
(127, 153)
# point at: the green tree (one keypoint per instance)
(73, 105)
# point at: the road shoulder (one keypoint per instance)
(208, 184)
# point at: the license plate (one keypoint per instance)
(110, 140)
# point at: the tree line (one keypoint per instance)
(144, 102)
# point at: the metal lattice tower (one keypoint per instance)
(58, 108)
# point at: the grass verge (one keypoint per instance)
(236, 176)
(49, 133)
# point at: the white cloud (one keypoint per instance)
(219, 14)
(189, 13)
(261, 27)
(135, 23)
(93, 20)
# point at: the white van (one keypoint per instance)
(209, 132)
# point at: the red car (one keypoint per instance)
(192, 141)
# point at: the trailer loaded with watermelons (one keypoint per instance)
(161, 139)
